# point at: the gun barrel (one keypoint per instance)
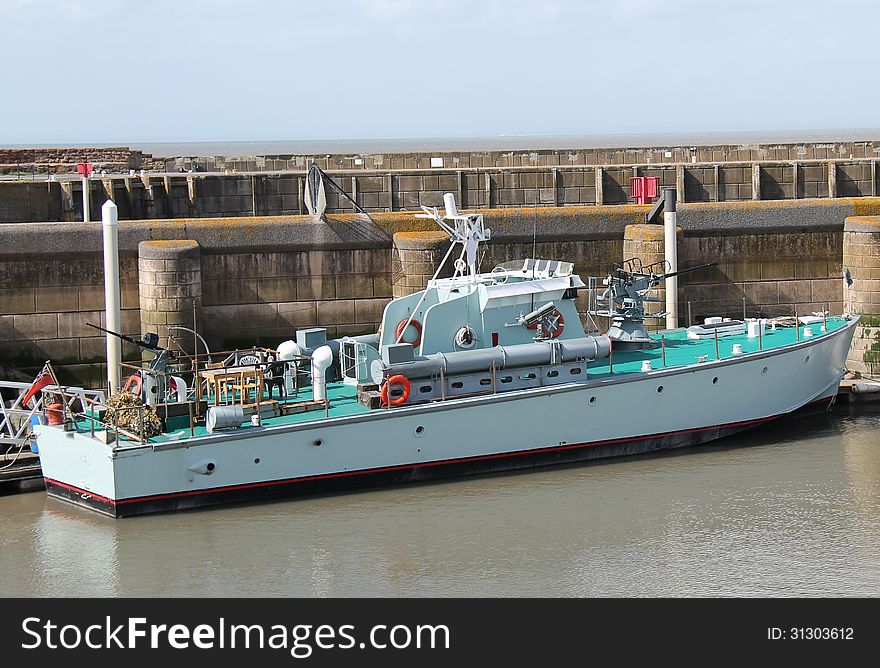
(139, 344)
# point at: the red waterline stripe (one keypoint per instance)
(439, 462)
(80, 491)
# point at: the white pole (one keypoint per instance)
(670, 242)
(110, 220)
(86, 213)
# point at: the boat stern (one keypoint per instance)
(77, 468)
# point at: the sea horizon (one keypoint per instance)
(484, 143)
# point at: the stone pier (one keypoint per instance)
(645, 243)
(861, 255)
(416, 256)
(170, 285)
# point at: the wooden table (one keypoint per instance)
(238, 377)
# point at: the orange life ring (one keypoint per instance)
(394, 380)
(560, 324)
(415, 323)
(133, 380)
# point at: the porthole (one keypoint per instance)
(506, 379)
(764, 371)
(592, 400)
(529, 376)
(485, 381)
(210, 466)
(256, 460)
(575, 371)
(317, 441)
(552, 374)
(424, 389)
(659, 389)
(419, 431)
(715, 380)
(457, 385)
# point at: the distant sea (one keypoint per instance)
(500, 143)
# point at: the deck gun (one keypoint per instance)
(627, 289)
(153, 385)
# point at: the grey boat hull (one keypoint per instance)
(417, 473)
(607, 417)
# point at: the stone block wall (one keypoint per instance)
(65, 160)
(28, 202)
(861, 254)
(814, 181)
(560, 157)
(264, 297)
(855, 178)
(46, 301)
(735, 183)
(416, 257)
(170, 287)
(777, 274)
(262, 278)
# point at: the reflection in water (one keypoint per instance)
(74, 555)
(795, 513)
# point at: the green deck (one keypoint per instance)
(680, 351)
(343, 401)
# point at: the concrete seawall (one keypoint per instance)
(262, 278)
(272, 185)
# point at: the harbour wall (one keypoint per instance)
(261, 278)
(273, 185)
(44, 160)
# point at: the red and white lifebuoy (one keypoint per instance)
(401, 326)
(399, 379)
(133, 384)
(558, 320)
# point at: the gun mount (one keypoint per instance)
(152, 385)
(627, 290)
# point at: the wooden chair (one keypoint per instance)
(251, 378)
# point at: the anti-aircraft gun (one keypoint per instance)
(624, 298)
(153, 385)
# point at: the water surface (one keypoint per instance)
(792, 510)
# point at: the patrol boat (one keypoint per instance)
(478, 372)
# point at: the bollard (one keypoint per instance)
(110, 221)
(670, 249)
(86, 187)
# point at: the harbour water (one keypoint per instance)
(497, 143)
(485, 143)
(790, 510)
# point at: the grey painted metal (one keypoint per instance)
(500, 357)
(15, 415)
(315, 196)
(750, 387)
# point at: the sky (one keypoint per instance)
(81, 71)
